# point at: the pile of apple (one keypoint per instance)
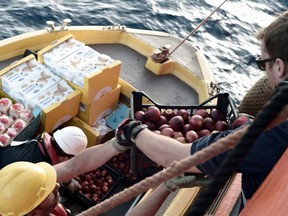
(183, 126)
(95, 184)
(121, 163)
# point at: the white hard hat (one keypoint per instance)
(71, 139)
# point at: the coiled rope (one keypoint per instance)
(256, 98)
(267, 118)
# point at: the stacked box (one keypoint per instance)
(40, 81)
(101, 107)
(83, 68)
(57, 50)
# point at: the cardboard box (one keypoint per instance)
(56, 93)
(92, 134)
(26, 78)
(84, 68)
(56, 114)
(17, 71)
(99, 83)
(100, 108)
(58, 50)
(60, 112)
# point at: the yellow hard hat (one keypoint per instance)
(24, 185)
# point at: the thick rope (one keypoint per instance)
(197, 27)
(175, 169)
(256, 98)
(272, 114)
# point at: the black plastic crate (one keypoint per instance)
(140, 163)
(87, 200)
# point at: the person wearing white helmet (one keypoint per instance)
(62, 145)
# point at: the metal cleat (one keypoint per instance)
(65, 23)
(116, 27)
(51, 25)
(214, 88)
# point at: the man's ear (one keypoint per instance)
(282, 68)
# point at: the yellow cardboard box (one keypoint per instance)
(96, 83)
(60, 112)
(100, 108)
(59, 49)
(92, 134)
(56, 114)
(99, 83)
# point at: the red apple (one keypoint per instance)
(151, 125)
(191, 136)
(208, 124)
(202, 112)
(164, 126)
(186, 128)
(140, 115)
(153, 113)
(177, 134)
(168, 113)
(217, 115)
(196, 122)
(239, 121)
(221, 125)
(167, 132)
(203, 132)
(162, 120)
(184, 114)
(176, 123)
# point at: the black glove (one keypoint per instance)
(127, 132)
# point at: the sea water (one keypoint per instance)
(227, 38)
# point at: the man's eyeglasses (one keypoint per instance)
(262, 62)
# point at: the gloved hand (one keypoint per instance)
(186, 182)
(72, 185)
(117, 146)
(127, 132)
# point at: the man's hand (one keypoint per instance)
(186, 182)
(127, 132)
(72, 185)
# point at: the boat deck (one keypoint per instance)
(164, 89)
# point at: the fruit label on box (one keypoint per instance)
(62, 50)
(81, 58)
(34, 84)
(19, 73)
(56, 93)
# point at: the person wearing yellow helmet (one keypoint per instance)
(28, 189)
(66, 150)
